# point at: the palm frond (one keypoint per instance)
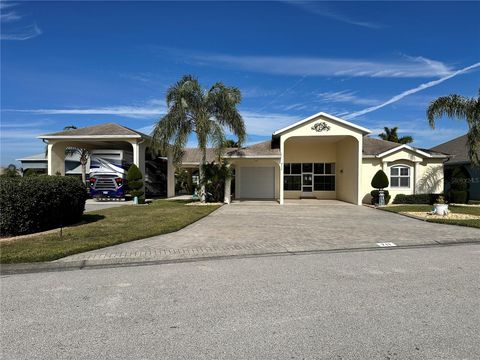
(453, 106)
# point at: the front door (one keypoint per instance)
(307, 184)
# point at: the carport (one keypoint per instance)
(103, 136)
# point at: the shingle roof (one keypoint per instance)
(43, 157)
(99, 130)
(457, 147)
(260, 149)
(194, 155)
(372, 146)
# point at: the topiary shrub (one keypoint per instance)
(429, 199)
(37, 203)
(135, 183)
(375, 196)
(380, 180)
(458, 196)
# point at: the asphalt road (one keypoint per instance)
(418, 303)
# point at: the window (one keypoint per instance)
(323, 177)
(307, 168)
(400, 176)
(292, 182)
(324, 183)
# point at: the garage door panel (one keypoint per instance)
(257, 183)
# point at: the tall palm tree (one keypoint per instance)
(462, 108)
(207, 113)
(390, 134)
(83, 154)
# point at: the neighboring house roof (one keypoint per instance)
(457, 148)
(101, 130)
(328, 116)
(194, 156)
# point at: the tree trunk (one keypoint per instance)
(203, 195)
(84, 173)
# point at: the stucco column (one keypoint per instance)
(139, 155)
(227, 198)
(282, 161)
(170, 176)
(416, 174)
(56, 158)
(359, 170)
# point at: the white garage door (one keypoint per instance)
(257, 183)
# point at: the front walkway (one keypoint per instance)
(261, 228)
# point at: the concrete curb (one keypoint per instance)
(39, 267)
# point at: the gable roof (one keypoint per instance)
(101, 130)
(379, 148)
(328, 116)
(457, 148)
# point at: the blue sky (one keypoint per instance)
(374, 63)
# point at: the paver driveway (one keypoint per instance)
(264, 227)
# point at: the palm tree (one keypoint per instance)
(390, 134)
(207, 113)
(462, 108)
(83, 154)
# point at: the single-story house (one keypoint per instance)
(320, 157)
(458, 159)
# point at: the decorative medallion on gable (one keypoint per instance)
(321, 126)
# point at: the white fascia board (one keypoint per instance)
(83, 137)
(253, 157)
(334, 118)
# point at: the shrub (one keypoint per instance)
(458, 197)
(215, 177)
(134, 181)
(375, 196)
(416, 199)
(380, 180)
(32, 204)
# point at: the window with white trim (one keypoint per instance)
(400, 176)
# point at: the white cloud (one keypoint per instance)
(412, 91)
(259, 123)
(345, 96)
(405, 67)
(15, 33)
(319, 8)
(151, 109)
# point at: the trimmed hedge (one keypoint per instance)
(32, 204)
(458, 197)
(416, 199)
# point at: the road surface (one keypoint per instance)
(418, 303)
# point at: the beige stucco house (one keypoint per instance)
(320, 157)
(325, 157)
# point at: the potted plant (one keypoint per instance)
(380, 196)
(441, 207)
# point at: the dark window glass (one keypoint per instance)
(330, 168)
(324, 183)
(405, 182)
(394, 181)
(296, 168)
(307, 189)
(307, 167)
(286, 169)
(291, 183)
(319, 169)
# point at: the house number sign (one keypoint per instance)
(321, 126)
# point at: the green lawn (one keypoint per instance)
(453, 209)
(105, 228)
